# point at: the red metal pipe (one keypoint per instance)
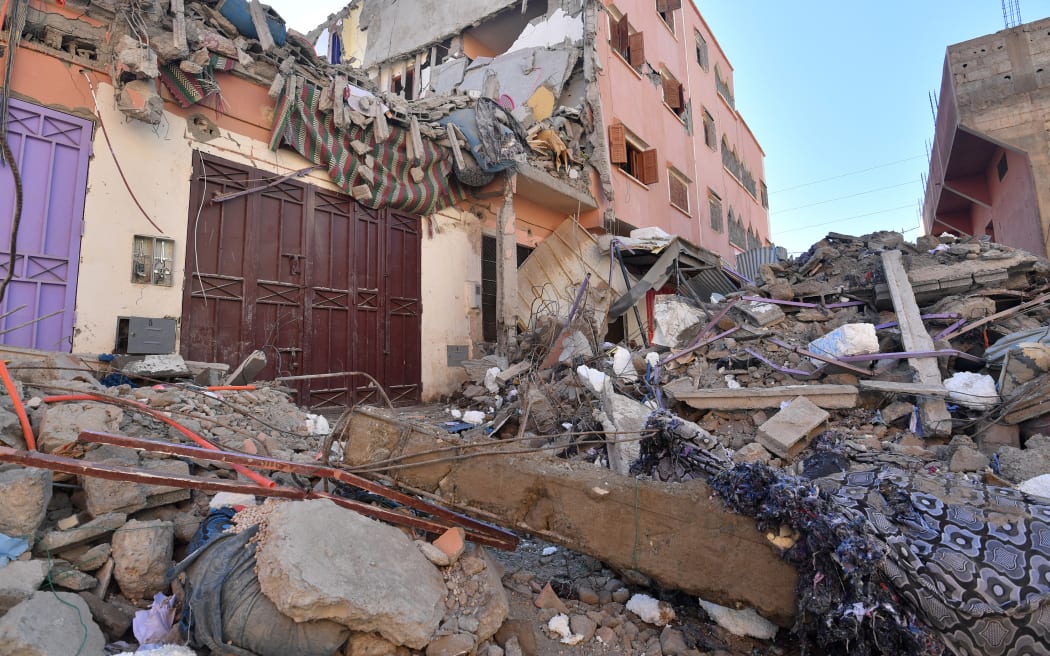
(231, 388)
(20, 410)
(261, 480)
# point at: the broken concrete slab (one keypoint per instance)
(691, 542)
(384, 584)
(25, 492)
(97, 527)
(61, 424)
(141, 556)
(789, 431)
(1022, 364)
(622, 419)
(753, 398)
(50, 623)
(113, 620)
(932, 411)
(168, 365)
(762, 314)
(106, 496)
(246, 371)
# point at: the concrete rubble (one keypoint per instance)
(628, 452)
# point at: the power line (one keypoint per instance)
(848, 218)
(844, 175)
(831, 200)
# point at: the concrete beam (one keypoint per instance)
(677, 534)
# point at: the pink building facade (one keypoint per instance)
(667, 88)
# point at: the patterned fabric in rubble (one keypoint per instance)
(300, 124)
(189, 89)
(975, 559)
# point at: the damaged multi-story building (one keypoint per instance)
(192, 177)
(990, 159)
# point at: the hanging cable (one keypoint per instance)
(17, 23)
(98, 112)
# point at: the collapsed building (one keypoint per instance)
(850, 444)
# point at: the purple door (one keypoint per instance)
(51, 150)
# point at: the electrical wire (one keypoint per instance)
(832, 200)
(846, 218)
(844, 175)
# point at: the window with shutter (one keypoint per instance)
(710, 138)
(636, 48)
(714, 204)
(617, 144)
(615, 41)
(674, 93)
(678, 189)
(650, 173)
(665, 9)
(701, 50)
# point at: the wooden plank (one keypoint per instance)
(178, 27)
(932, 410)
(754, 398)
(893, 387)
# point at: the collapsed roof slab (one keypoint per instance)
(678, 534)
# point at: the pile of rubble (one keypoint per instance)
(917, 373)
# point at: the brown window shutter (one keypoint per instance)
(618, 144)
(615, 39)
(648, 171)
(672, 93)
(668, 5)
(624, 31)
(637, 49)
(681, 96)
(679, 193)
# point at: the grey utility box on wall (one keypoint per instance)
(145, 335)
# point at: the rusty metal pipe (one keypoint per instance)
(478, 531)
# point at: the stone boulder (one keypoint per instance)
(51, 623)
(19, 579)
(319, 561)
(142, 556)
(25, 492)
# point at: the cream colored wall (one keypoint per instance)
(355, 40)
(157, 163)
(451, 266)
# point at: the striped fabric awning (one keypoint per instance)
(301, 125)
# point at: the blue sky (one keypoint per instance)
(838, 94)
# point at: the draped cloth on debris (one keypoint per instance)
(189, 89)
(974, 558)
(300, 124)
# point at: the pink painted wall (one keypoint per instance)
(1012, 199)
(634, 100)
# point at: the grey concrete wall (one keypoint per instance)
(401, 27)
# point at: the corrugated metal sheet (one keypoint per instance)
(711, 281)
(748, 263)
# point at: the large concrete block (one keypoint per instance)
(48, 624)
(61, 424)
(788, 432)
(319, 561)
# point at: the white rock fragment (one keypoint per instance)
(850, 339)
(550, 551)
(491, 383)
(623, 364)
(972, 390)
(592, 378)
(317, 425)
(476, 417)
(740, 622)
(651, 610)
(559, 626)
(1038, 486)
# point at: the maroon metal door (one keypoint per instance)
(320, 283)
(52, 150)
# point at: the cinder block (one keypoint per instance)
(789, 431)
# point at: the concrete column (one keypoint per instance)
(506, 270)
